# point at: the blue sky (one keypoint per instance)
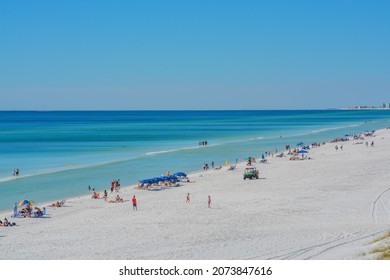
(193, 54)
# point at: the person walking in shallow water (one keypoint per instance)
(209, 202)
(188, 198)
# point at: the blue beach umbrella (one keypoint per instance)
(158, 179)
(302, 152)
(180, 174)
(145, 181)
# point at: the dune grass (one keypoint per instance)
(380, 238)
(382, 252)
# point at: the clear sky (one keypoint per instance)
(261, 54)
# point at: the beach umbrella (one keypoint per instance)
(262, 156)
(145, 181)
(300, 144)
(302, 152)
(157, 179)
(173, 178)
(26, 202)
(180, 174)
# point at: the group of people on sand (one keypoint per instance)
(58, 203)
(115, 185)
(251, 160)
(188, 200)
(337, 148)
(28, 211)
(213, 166)
(372, 144)
(119, 199)
(6, 223)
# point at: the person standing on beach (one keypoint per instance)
(105, 195)
(209, 202)
(134, 201)
(15, 209)
(212, 164)
(89, 188)
(188, 198)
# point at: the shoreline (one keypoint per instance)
(291, 212)
(134, 186)
(71, 183)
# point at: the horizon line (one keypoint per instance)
(151, 110)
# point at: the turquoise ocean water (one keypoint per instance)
(60, 154)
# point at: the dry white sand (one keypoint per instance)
(330, 207)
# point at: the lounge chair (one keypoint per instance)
(17, 214)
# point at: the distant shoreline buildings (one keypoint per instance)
(383, 106)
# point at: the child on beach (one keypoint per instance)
(188, 198)
(209, 202)
(134, 201)
(15, 208)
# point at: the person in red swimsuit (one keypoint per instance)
(134, 201)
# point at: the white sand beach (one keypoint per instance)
(330, 207)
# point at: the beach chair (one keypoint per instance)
(17, 214)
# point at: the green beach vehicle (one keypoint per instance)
(251, 173)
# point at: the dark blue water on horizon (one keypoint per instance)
(60, 153)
